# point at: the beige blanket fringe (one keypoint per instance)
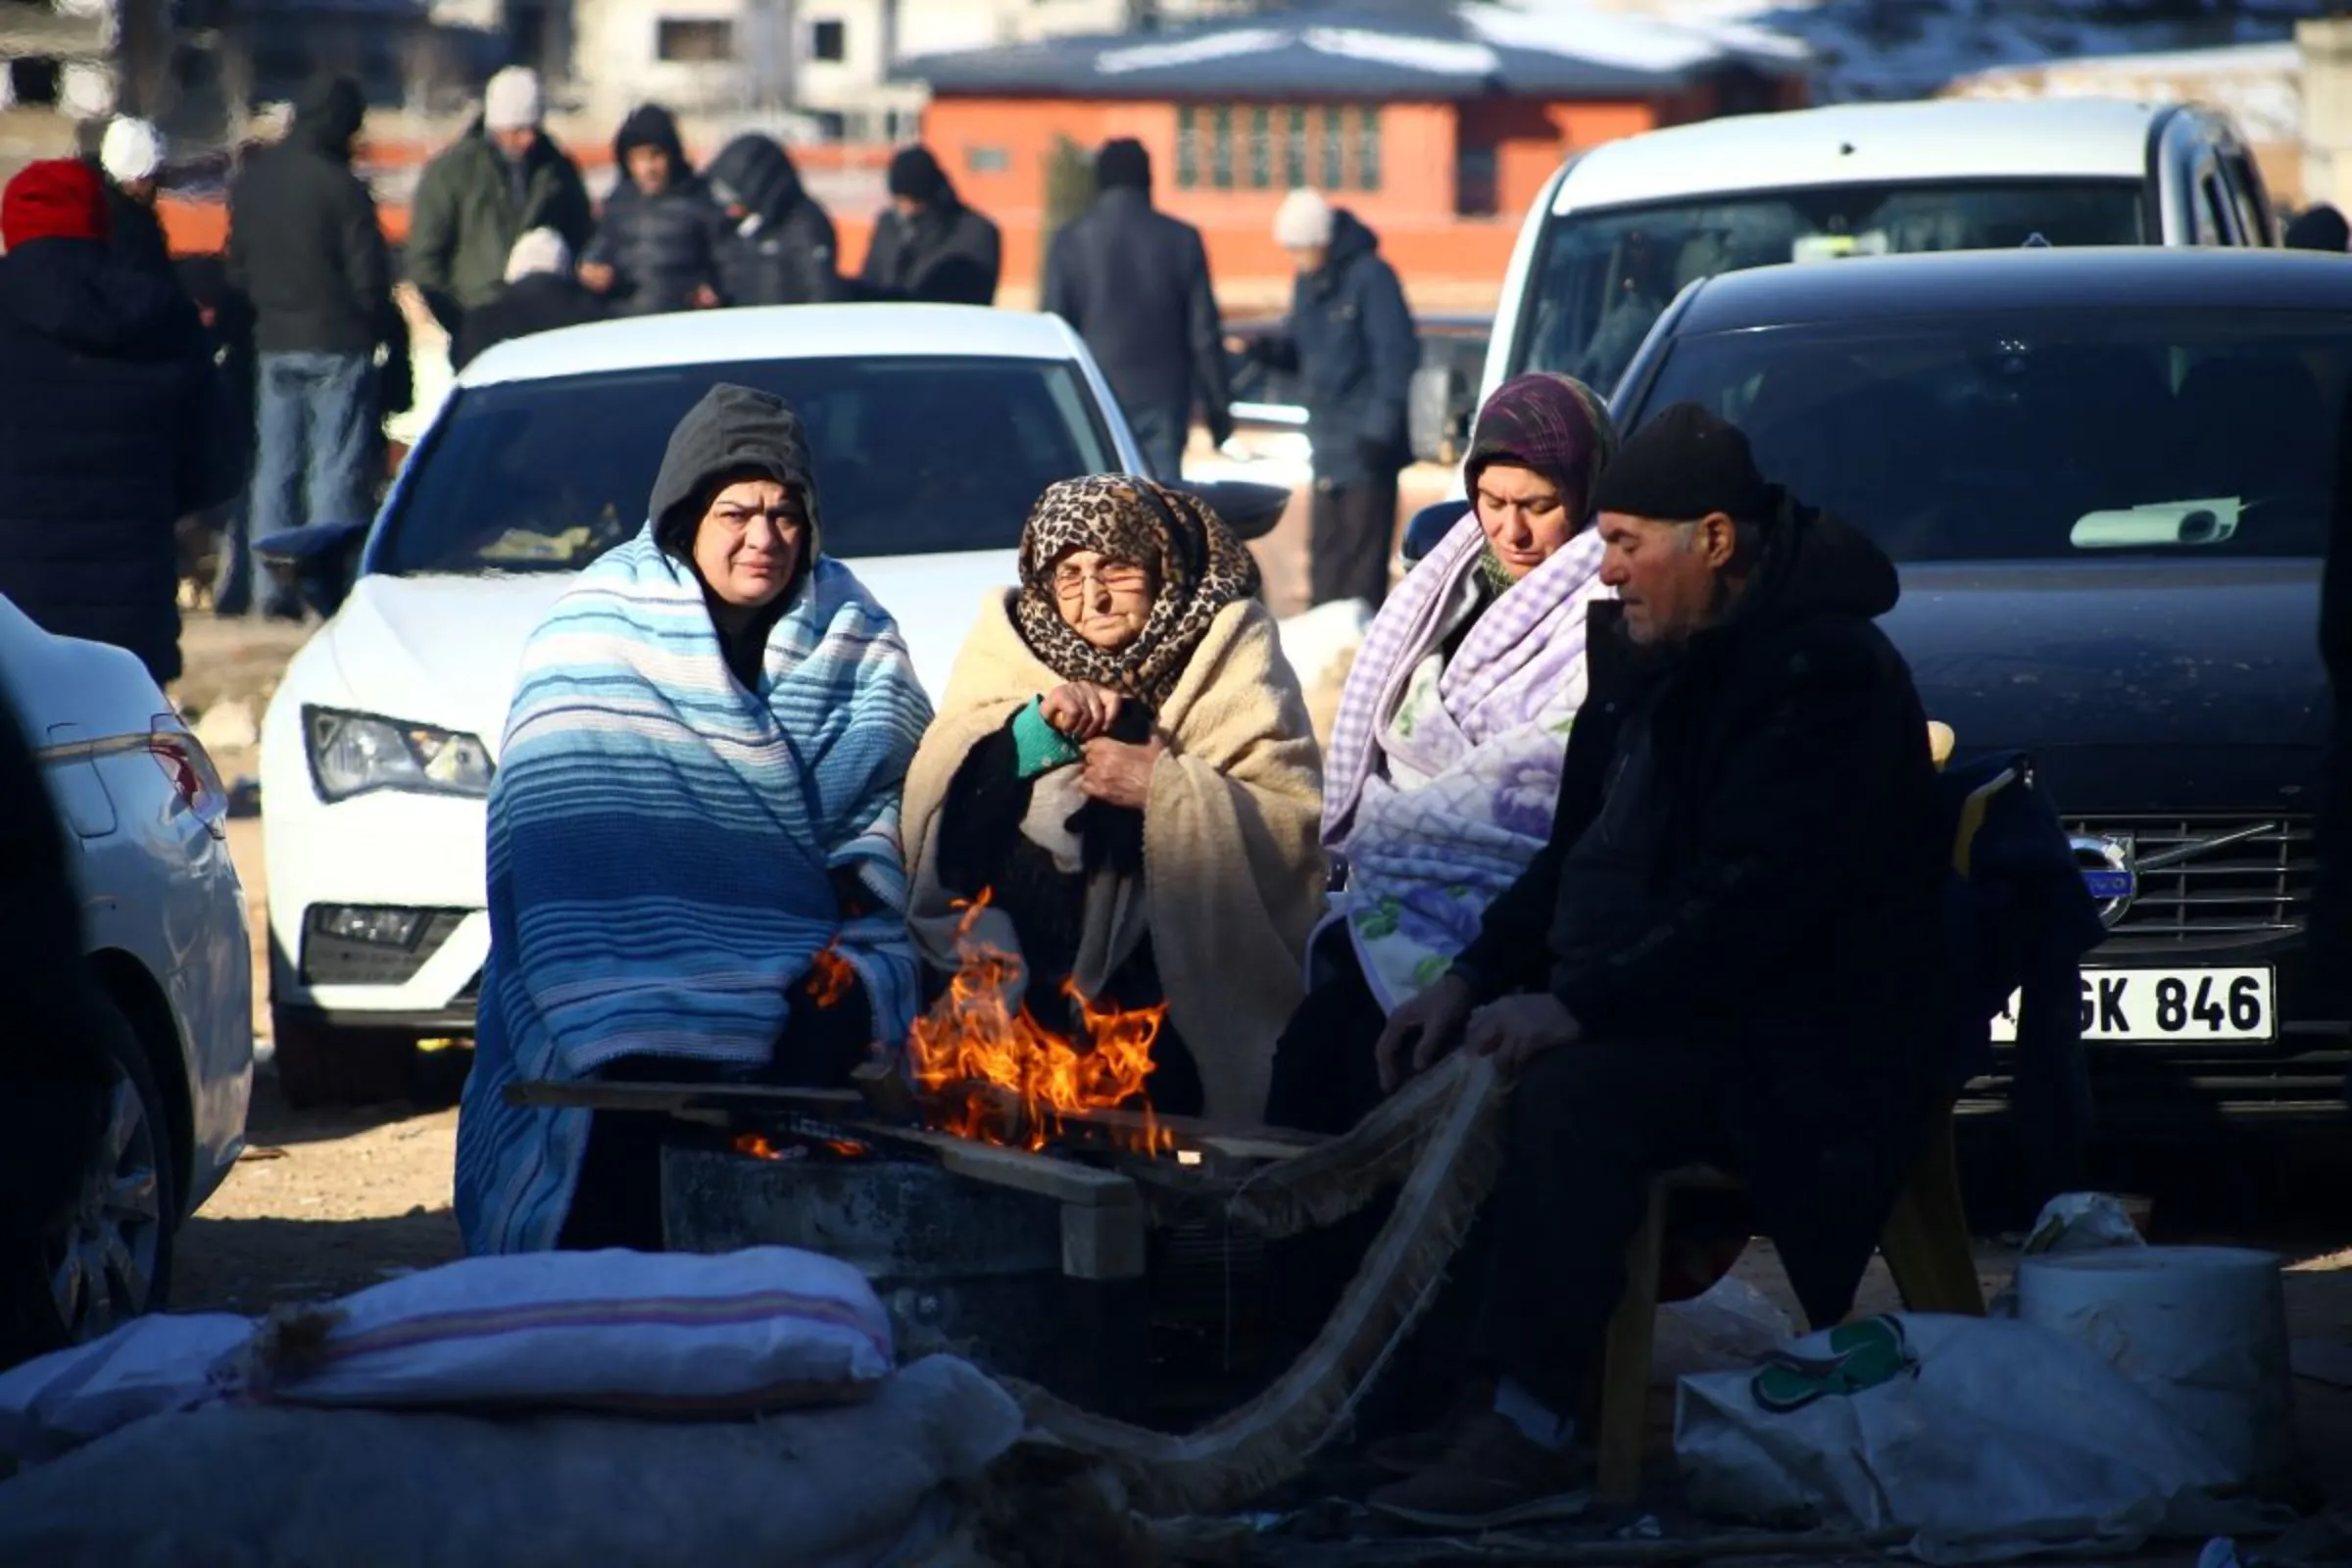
(1447, 1129)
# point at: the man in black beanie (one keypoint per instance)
(927, 245)
(2318, 228)
(1134, 282)
(1724, 955)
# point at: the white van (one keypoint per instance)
(1621, 229)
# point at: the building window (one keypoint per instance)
(987, 160)
(1220, 148)
(696, 43)
(1188, 147)
(1335, 149)
(1368, 148)
(1261, 148)
(829, 40)
(1294, 149)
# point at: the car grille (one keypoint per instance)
(2203, 881)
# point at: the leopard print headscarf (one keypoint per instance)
(1199, 564)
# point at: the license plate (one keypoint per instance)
(2186, 1006)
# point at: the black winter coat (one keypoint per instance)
(1134, 282)
(135, 234)
(664, 247)
(1351, 341)
(1748, 853)
(539, 303)
(945, 255)
(114, 424)
(785, 253)
(302, 241)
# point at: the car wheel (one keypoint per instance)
(109, 1259)
(321, 1064)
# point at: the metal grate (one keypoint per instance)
(2213, 880)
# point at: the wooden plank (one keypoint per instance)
(1101, 1242)
(1063, 1180)
(545, 1094)
(887, 1093)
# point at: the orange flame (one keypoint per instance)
(829, 977)
(757, 1146)
(973, 1044)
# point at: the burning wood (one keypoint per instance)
(760, 1147)
(975, 1056)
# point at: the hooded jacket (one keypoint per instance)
(114, 424)
(734, 432)
(541, 302)
(1750, 854)
(947, 254)
(785, 251)
(1353, 343)
(661, 247)
(303, 240)
(1134, 282)
(473, 203)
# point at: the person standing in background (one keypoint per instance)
(927, 245)
(113, 422)
(131, 157)
(2316, 228)
(658, 247)
(781, 249)
(500, 179)
(1351, 343)
(540, 296)
(1134, 284)
(305, 247)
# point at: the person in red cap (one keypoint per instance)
(113, 422)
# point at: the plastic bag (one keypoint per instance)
(2072, 1222)
(1731, 1325)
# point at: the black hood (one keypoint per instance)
(1813, 564)
(328, 116)
(70, 290)
(732, 431)
(757, 173)
(651, 125)
(1351, 238)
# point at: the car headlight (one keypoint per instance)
(352, 754)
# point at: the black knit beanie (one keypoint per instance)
(1683, 465)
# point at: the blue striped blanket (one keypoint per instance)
(662, 853)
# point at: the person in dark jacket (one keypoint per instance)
(1350, 341)
(1721, 955)
(1134, 282)
(2318, 228)
(927, 245)
(500, 180)
(540, 296)
(658, 247)
(305, 247)
(131, 157)
(780, 248)
(114, 423)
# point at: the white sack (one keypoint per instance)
(274, 1486)
(148, 1366)
(2009, 1436)
(659, 1332)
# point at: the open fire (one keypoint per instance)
(990, 1071)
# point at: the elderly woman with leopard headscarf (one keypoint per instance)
(1123, 766)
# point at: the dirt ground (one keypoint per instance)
(326, 1202)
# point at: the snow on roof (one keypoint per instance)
(2258, 85)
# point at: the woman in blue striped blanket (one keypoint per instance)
(694, 861)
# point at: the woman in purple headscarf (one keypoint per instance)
(1445, 762)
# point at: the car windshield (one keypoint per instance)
(1605, 275)
(913, 456)
(2044, 434)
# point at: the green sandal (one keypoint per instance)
(1861, 1355)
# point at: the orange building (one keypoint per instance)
(1436, 125)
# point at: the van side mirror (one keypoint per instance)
(322, 560)
(1430, 524)
(1438, 414)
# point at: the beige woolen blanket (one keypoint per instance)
(1232, 873)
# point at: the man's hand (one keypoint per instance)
(1426, 1026)
(596, 276)
(1120, 773)
(1081, 709)
(1518, 1029)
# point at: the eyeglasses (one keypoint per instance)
(1071, 581)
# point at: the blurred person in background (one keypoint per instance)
(305, 247)
(780, 248)
(131, 157)
(2316, 228)
(1351, 343)
(500, 180)
(927, 245)
(657, 248)
(540, 295)
(1134, 282)
(113, 422)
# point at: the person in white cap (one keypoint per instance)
(1351, 343)
(131, 156)
(503, 178)
(541, 293)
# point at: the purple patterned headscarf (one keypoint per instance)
(1550, 424)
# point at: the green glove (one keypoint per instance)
(1037, 747)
